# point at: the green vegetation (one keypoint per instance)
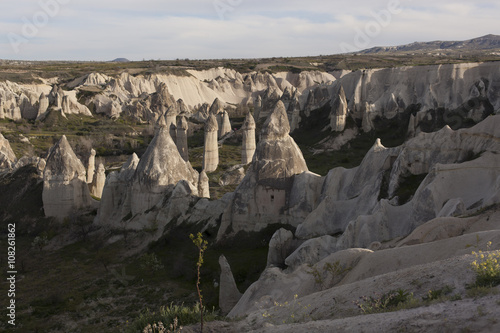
(391, 301)
(487, 268)
(201, 244)
(171, 316)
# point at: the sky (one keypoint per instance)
(101, 30)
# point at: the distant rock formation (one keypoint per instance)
(248, 146)
(55, 96)
(181, 138)
(91, 166)
(98, 181)
(171, 121)
(43, 105)
(261, 198)
(269, 99)
(160, 166)
(339, 111)
(229, 295)
(65, 189)
(7, 156)
(211, 152)
(216, 107)
(225, 126)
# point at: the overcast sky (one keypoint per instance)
(203, 29)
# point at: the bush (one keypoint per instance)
(487, 268)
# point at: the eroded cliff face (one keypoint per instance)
(354, 210)
(454, 95)
(261, 198)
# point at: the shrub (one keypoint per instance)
(387, 302)
(437, 294)
(487, 268)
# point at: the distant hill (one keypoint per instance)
(120, 60)
(485, 43)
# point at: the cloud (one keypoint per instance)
(158, 29)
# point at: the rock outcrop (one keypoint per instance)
(261, 198)
(216, 107)
(171, 121)
(99, 181)
(181, 138)
(225, 124)
(43, 105)
(159, 167)
(203, 185)
(115, 203)
(229, 294)
(7, 156)
(248, 146)
(339, 111)
(280, 247)
(65, 189)
(211, 151)
(91, 166)
(354, 203)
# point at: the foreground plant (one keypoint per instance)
(201, 244)
(487, 267)
(170, 316)
(160, 328)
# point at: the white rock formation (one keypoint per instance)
(339, 111)
(445, 86)
(229, 294)
(160, 166)
(43, 105)
(211, 151)
(171, 121)
(65, 189)
(269, 99)
(91, 166)
(7, 156)
(115, 203)
(181, 138)
(248, 146)
(216, 107)
(232, 176)
(225, 124)
(347, 194)
(203, 185)
(350, 202)
(99, 181)
(261, 198)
